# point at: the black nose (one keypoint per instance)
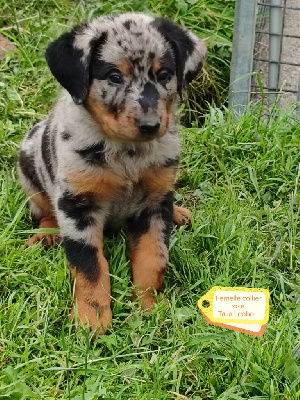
(148, 128)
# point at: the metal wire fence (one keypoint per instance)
(266, 37)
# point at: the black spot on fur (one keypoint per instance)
(43, 177)
(46, 152)
(97, 43)
(99, 69)
(166, 207)
(78, 208)
(139, 224)
(132, 153)
(135, 61)
(113, 108)
(33, 131)
(103, 94)
(127, 24)
(171, 162)
(128, 89)
(141, 69)
(151, 56)
(53, 147)
(149, 97)
(66, 135)
(167, 61)
(151, 75)
(27, 165)
(94, 155)
(83, 256)
(96, 64)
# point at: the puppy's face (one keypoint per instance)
(127, 71)
(133, 85)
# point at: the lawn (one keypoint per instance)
(241, 180)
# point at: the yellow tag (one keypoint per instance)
(250, 329)
(236, 305)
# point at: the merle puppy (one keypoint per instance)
(109, 150)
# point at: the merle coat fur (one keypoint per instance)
(108, 152)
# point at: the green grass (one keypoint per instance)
(241, 181)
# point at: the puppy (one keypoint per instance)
(108, 152)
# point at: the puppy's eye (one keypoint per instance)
(115, 78)
(163, 76)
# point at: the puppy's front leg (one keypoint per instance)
(149, 234)
(82, 234)
(92, 292)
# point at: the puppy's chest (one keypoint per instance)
(124, 182)
(119, 186)
(118, 196)
(96, 166)
(148, 191)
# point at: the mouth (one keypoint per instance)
(144, 138)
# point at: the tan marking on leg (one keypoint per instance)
(43, 203)
(92, 299)
(149, 257)
(181, 215)
(47, 220)
(102, 186)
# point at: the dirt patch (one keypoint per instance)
(5, 46)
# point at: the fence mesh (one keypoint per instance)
(287, 63)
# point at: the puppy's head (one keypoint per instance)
(128, 71)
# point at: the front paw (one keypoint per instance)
(181, 216)
(97, 318)
(147, 299)
(47, 239)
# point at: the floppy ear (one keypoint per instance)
(69, 59)
(189, 51)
